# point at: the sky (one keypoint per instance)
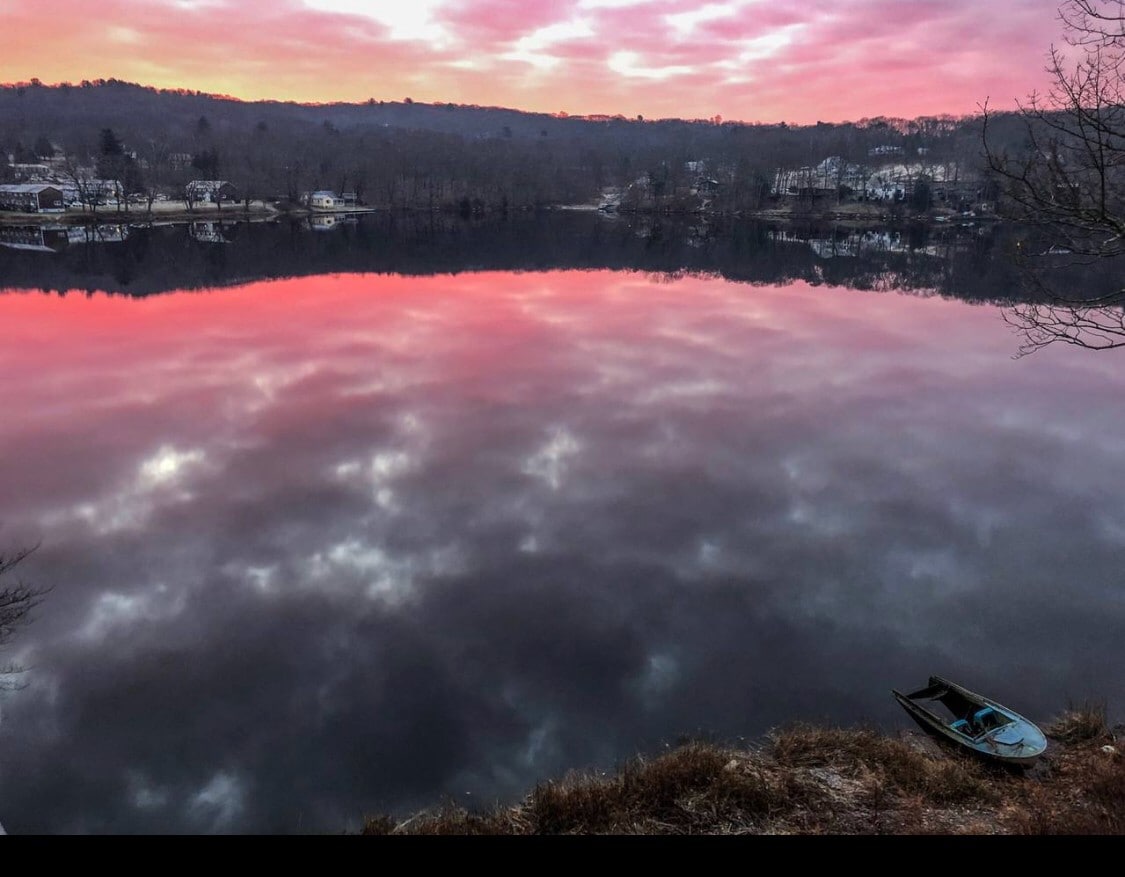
(752, 60)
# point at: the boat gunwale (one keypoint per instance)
(981, 744)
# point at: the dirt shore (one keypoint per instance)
(810, 780)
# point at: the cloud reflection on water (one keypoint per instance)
(341, 543)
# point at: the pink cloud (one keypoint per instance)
(765, 60)
(492, 23)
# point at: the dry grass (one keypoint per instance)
(1084, 792)
(1081, 724)
(689, 790)
(893, 764)
(813, 780)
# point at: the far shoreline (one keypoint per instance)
(210, 213)
(268, 211)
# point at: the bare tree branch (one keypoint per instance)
(1068, 177)
(1093, 328)
(16, 603)
(1093, 22)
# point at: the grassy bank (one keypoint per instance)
(810, 780)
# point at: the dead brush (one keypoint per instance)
(814, 780)
(682, 791)
(1085, 723)
(378, 825)
(850, 750)
(580, 804)
(449, 820)
(1106, 791)
(1094, 804)
(898, 768)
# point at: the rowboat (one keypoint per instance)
(978, 724)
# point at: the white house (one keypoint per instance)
(325, 200)
(212, 191)
(87, 190)
(32, 198)
(29, 173)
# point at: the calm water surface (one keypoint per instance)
(346, 543)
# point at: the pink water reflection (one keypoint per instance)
(460, 532)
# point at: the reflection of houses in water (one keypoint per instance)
(34, 238)
(208, 232)
(830, 248)
(112, 233)
(330, 221)
(56, 238)
(857, 243)
(698, 234)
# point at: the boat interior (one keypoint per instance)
(967, 716)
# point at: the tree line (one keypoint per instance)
(403, 154)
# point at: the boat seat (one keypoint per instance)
(980, 715)
(961, 725)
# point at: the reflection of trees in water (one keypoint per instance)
(955, 262)
(1094, 328)
(1073, 300)
(969, 263)
(16, 602)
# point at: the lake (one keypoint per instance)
(346, 520)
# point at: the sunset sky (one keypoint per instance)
(753, 60)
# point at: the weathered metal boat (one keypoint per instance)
(980, 725)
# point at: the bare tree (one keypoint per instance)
(156, 157)
(84, 181)
(190, 197)
(16, 602)
(1094, 22)
(1093, 328)
(1069, 177)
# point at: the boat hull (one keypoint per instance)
(1013, 740)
